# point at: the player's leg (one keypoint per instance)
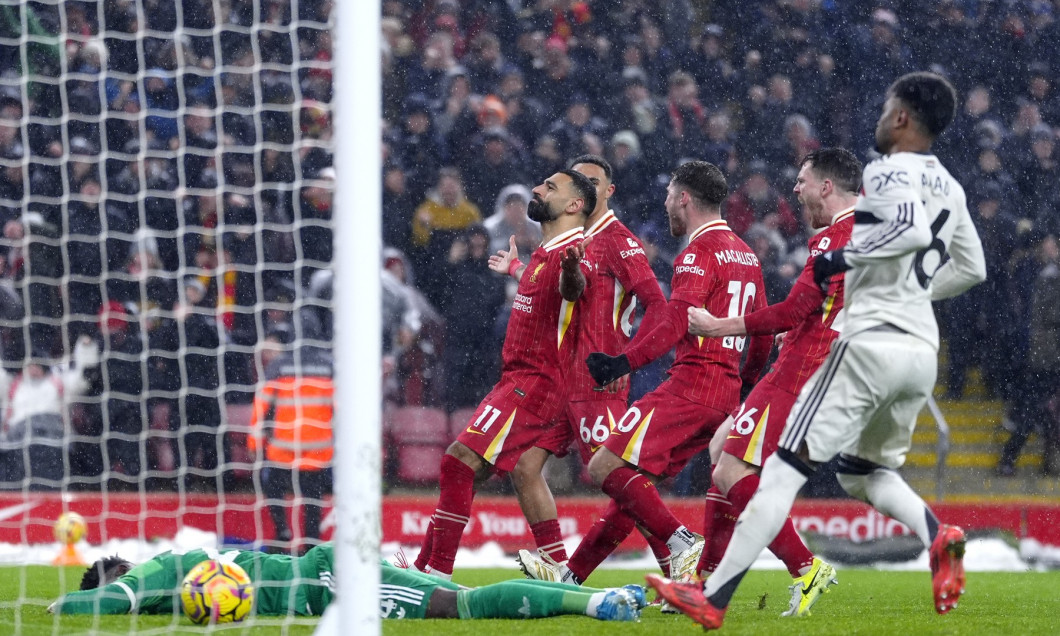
(275, 484)
(868, 470)
(827, 401)
(538, 504)
(540, 599)
(636, 495)
(655, 450)
(460, 467)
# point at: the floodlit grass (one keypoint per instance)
(865, 602)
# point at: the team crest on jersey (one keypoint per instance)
(533, 277)
(689, 259)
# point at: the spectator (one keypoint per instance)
(1041, 375)
(34, 433)
(437, 221)
(577, 122)
(123, 409)
(492, 164)
(634, 198)
(509, 219)
(478, 294)
(757, 202)
(291, 432)
(687, 115)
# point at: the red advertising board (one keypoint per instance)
(28, 518)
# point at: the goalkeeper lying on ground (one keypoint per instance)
(304, 586)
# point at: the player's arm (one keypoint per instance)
(141, 589)
(757, 351)
(667, 333)
(572, 278)
(804, 298)
(966, 266)
(507, 262)
(891, 205)
(649, 294)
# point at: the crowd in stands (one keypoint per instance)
(165, 191)
(166, 178)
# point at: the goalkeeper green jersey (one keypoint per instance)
(283, 584)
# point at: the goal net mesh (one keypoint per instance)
(165, 197)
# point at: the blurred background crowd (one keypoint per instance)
(166, 181)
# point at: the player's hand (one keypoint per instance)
(500, 261)
(778, 340)
(827, 265)
(606, 369)
(702, 323)
(573, 255)
(618, 385)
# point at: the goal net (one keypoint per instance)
(166, 187)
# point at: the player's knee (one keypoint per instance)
(730, 470)
(469, 457)
(602, 464)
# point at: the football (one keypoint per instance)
(215, 592)
(70, 528)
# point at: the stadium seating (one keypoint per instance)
(420, 436)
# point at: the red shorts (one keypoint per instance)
(500, 431)
(590, 423)
(759, 423)
(662, 431)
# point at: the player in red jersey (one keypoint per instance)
(659, 434)
(538, 345)
(620, 277)
(827, 187)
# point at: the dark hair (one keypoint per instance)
(930, 97)
(837, 164)
(596, 160)
(585, 189)
(103, 571)
(703, 180)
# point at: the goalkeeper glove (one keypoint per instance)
(826, 265)
(606, 369)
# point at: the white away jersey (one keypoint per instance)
(910, 216)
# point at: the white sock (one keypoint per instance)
(892, 496)
(681, 540)
(594, 603)
(760, 521)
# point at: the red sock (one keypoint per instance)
(549, 541)
(454, 510)
(659, 549)
(787, 545)
(601, 540)
(718, 524)
(425, 548)
(636, 496)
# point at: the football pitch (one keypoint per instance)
(866, 601)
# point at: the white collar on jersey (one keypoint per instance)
(845, 214)
(603, 222)
(719, 224)
(571, 235)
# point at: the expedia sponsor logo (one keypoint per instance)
(523, 303)
(690, 269)
(739, 257)
(632, 252)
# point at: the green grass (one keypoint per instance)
(865, 602)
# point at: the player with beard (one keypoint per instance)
(827, 187)
(539, 348)
(621, 278)
(862, 403)
(661, 432)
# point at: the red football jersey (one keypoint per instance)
(540, 343)
(618, 266)
(808, 343)
(719, 272)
